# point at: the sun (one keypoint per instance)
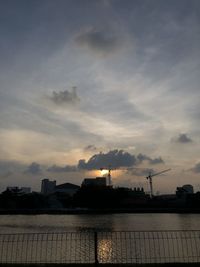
(104, 172)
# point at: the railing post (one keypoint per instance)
(95, 248)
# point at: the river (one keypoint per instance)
(107, 222)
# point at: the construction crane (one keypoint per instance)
(149, 177)
(109, 169)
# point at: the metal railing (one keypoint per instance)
(101, 247)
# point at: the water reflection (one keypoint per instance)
(105, 248)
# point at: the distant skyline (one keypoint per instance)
(87, 83)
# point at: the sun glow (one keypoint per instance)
(104, 172)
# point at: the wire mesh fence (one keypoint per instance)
(47, 248)
(149, 247)
(101, 247)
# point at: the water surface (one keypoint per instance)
(107, 222)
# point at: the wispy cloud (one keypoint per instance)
(59, 169)
(140, 171)
(90, 148)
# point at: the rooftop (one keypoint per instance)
(67, 186)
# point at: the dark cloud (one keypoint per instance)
(142, 157)
(183, 138)
(90, 148)
(98, 41)
(65, 97)
(116, 159)
(34, 168)
(139, 172)
(67, 168)
(196, 168)
(156, 161)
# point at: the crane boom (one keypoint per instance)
(160, 172)
(149, 177)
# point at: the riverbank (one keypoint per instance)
(97, 211)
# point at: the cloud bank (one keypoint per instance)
(116, 159)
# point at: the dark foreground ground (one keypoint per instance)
(103, 265)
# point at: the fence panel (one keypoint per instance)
(47, 248)
(149, 247)
(102, 247)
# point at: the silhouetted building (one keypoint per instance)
(165, 197)
(25, 190)
(184, 190)
(138, 191)
(67, 188)
(98, 181)
(48, 187)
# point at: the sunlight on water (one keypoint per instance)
(105, 250)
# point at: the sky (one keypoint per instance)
(85, 84)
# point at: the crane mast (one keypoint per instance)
(109, 169)
(109, 177)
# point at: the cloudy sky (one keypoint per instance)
(87, 83)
